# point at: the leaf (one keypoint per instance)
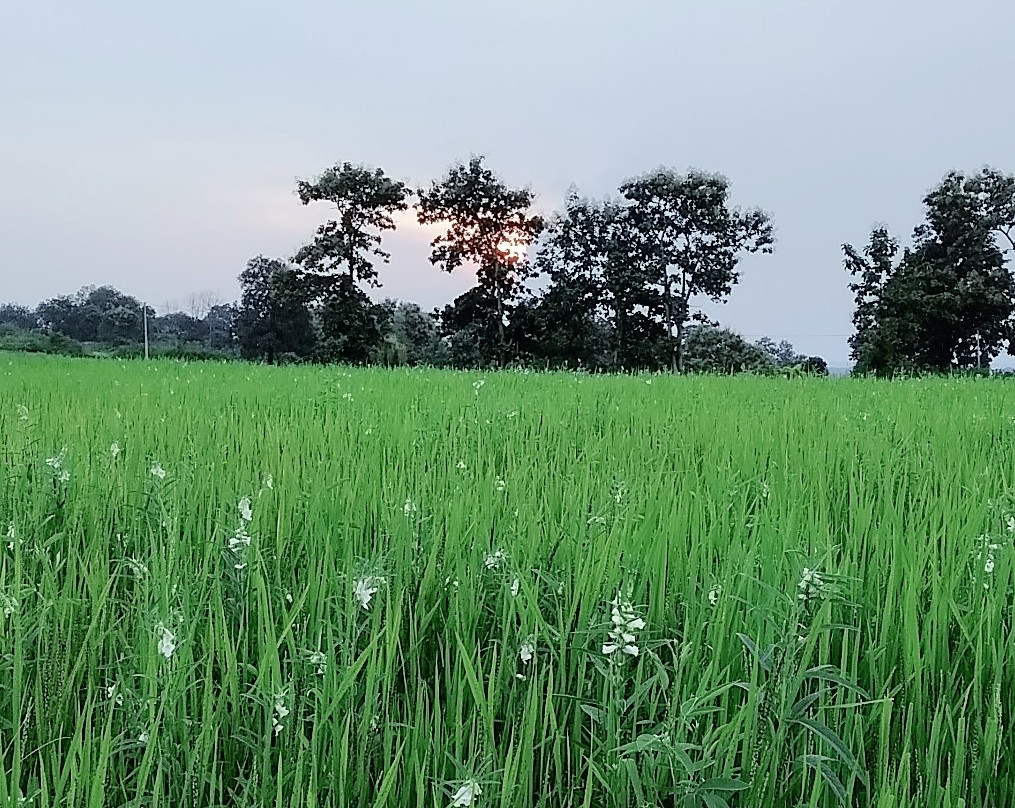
(723, 784)
(817, 762)
(592, 712)
(799, 710)
(764, 658)
(828, 736)
(713, 801)
(829, 673)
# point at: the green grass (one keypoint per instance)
(889, 684)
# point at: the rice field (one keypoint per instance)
(230, 585)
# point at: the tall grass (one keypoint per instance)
(823, 568)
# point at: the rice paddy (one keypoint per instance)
(229, 585)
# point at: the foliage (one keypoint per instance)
(18, 316)
(352, 327)
(949, 301)
(95, 314)
(273, 318)
(681, 229)
(366, 201)
(487, 224)
(718, 350)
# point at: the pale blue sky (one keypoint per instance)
(155, 146)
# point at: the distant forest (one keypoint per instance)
(600, 285)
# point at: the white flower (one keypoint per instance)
(137, 568)
(625, 623)
(246, 513)
(409, 508)
(269, 482)
(466, 794)
(515, 587)
(143, 737)
(319, 661)
(113, 694)
(11, 535)
(493, 560)
(22, 412)
(8, 603)
(988, 567)
(279, 711)
(713, 594)
(765, 490)
(56, 461)
(64, 476)
(810, 585)
(158, 471)
(527, 651)
(499, 484)
(513, 414)
(477, 384)
(114, 449)
(239, 541)
(347, 396)
(461, 464)
(1011, 524)
(365, 587)
(167, 644)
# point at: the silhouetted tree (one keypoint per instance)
(685, 233)
(949, 302)
(489, 225)
(366, 201)
(352, 326)
(273, 317)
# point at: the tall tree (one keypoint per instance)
(565, 326)
(487, 224)
(690, 238)
(949, 302)
(366, 201)
(273, 318)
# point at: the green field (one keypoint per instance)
(502, 589)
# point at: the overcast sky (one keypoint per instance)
(155, 146)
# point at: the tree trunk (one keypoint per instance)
(668, 315)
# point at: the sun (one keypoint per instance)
(513, 252)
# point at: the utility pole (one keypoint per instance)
(145, 307)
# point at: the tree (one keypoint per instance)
(949, 301)
(566, 326)
(220, 325)
(352, 326)
(684, 232)
(19, 316)
(95, 314)
(487, 224)
(719, 350)
(366, 200)
(273, 319)
(782, 354)
(415, 334)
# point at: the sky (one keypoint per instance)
(156, 147)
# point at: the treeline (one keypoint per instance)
(600, 285)
(605, 284)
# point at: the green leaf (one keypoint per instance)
(592, 712)
(764, 658)
(828, 736)
(829, 673)
(723, 784)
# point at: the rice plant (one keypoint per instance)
(227, 585)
